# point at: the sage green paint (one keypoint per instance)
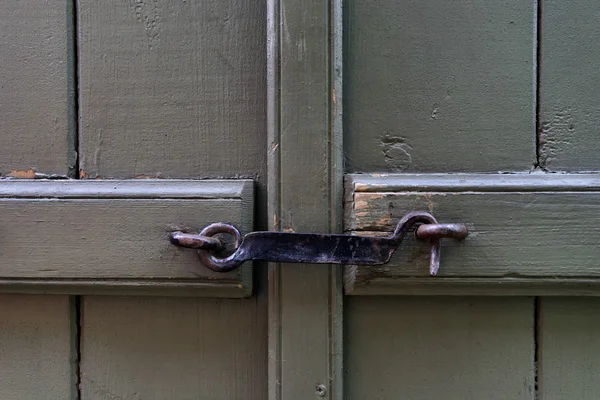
(118, 232)
(172, 88)
(175, 89)
(35, 348)
(570, 68)
(452, 348)
(34, 94)
(163, 348)
(439, 86)
(515, 231)
(568, 364)
(305, 194)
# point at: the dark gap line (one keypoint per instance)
(73, 173)
(73, 89)
(536, 346)
(538, 80)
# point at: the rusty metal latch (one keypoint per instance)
(314, 248)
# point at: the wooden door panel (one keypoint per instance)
(37, 359)
(439, 86)
(458, 348)
(112, 236)
(569, 332)
(529, 233)
(569, 96)
(172, 89)
(36, 88)
(161, 348)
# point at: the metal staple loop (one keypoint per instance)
(316, 248)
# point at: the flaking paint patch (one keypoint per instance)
(23, 173)
(396, 152)
(556, 135)
(147, 12)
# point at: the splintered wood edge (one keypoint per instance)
(465, 183)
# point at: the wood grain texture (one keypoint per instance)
(172, 89)
(439, 348)
(569, 345)
(513, 235)
(437, 88)
(570, 66)
(34, 99)
(98, 233)
(158, 348)
(305, 187)
(35, 348)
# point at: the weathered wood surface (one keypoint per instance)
(36, 357)
(569, 346)
(34, 94)
(160, 348)
(305, 187)
(439, 348)
(570, 68)
(114, 234)
(172, 89)
(515, 233)
(440, 87)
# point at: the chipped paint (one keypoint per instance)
(23, 173)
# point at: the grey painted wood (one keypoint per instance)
(569, 345)
(570, 65)
(439, 348)
(172, 89)
(34, 99)
(160, 348)
(513, 235)
(305, 194)
(96, 233)
(36, 361)
(440, 88)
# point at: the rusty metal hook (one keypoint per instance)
(316, 248)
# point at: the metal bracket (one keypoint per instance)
(315, 248)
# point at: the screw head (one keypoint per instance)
(321, 390)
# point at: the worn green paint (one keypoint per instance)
(176, 90)
(439, 86)
(459, 348)
(305, 188)
(35, 348)
(569, 345)
(118, 232)
(34, 97)
(163, 348)
(570, 65)
(522, 226)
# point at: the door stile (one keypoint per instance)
(305, 129)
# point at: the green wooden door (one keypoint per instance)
(123, 121)
(479, 113)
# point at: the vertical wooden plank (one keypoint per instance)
(172, 88)
(439, 348)
(158, 348)
(34, 95)
(439, 86)
(569, 347)
(36, 359)
(570, 68)
(305, 301)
